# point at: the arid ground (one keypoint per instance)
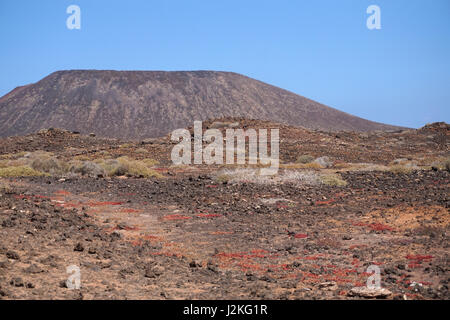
(139, 227)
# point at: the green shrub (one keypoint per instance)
(20, 171)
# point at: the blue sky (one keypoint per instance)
(319, 49)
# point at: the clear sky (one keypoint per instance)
(317, 48)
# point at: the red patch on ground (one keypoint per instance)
(62, 192)
(419, 257)
(358, 224)
(315, 257)
(300, 236)
(416, 260)
(127, 228)
(69, 205)
(210, 215)
(176, 217)
(22, 196)
(321, 203)
(248, 266)
(129, 210)
(355, 246)
(150, 237)
(380, 227)
(136, 243)
(230, 255)
(104, 203)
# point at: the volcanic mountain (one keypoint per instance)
(141, 104)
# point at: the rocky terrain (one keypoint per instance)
(145, 104)
(140, 229)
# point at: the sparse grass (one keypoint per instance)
(311, 165)
(5, 187)
(20, 171)
(343, 165)
(82, 157)
(150, 162)
(400, 169)
(250, 175)
(243, 175)
(306, 158)
(300, 177)
(126, 166)
(141, 150)
(126, 145)
(442, 163)
(87, 168)
(360, 167)
(9, 156)
(46, 164)
(333, 180)
(223, 178)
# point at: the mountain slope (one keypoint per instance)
(140, 104)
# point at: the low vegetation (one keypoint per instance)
(333, 180)
(20, 171)
(41, 163)
(5, 187)
(400, 169)
(301, 177)
(311, 165)
(306, 158)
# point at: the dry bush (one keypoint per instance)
(82, 157)
(20, 171)
(137, 168)
(442, 163)
(87, 168)
(150, 162)
(253, 176)
(360, 167)
(9, 156)
(5, 187)
(47, 164)
(343, 165)
(300, 177)
(239, 175)
(126, 166)
(312, 165)
(140, 150)
(4, 163)
(306, 158)
(126, 145)
(223, 178)
(400, 169)
(333, 180)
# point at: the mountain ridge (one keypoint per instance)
(143, 104)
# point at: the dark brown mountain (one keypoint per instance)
(141, 104)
